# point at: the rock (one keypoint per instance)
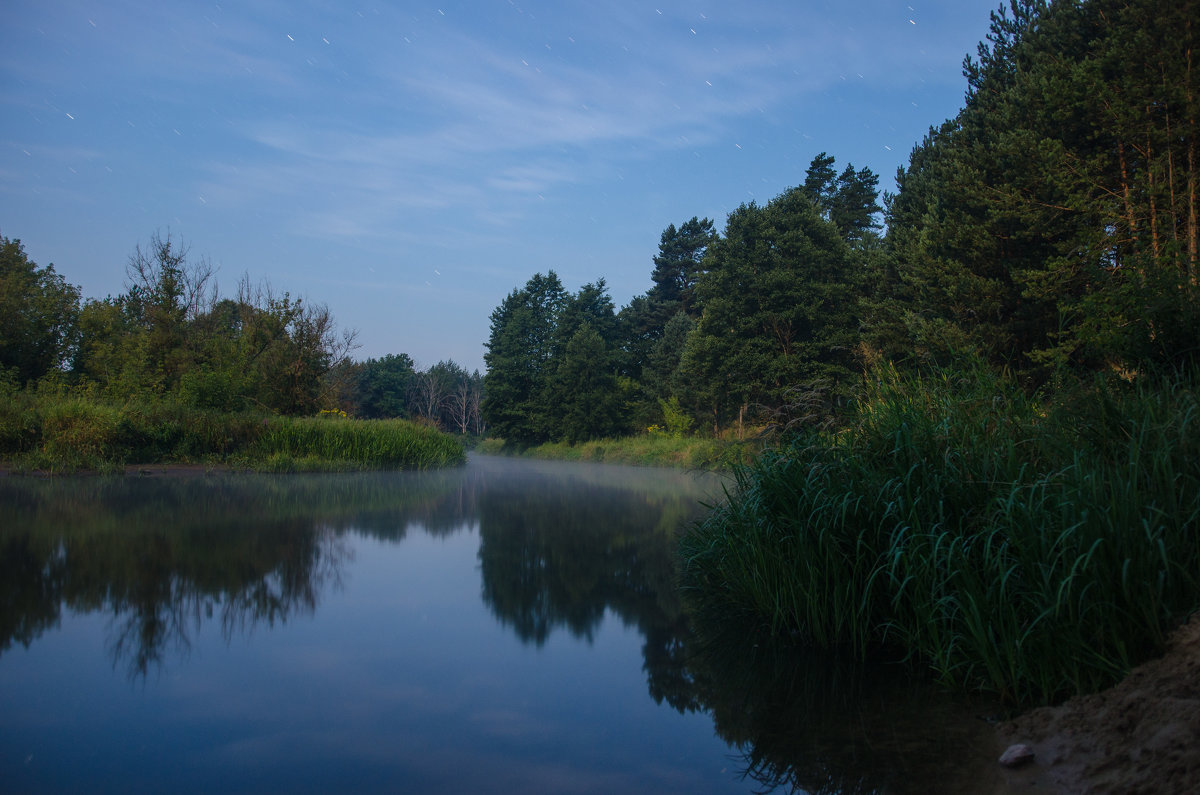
(1016, 755)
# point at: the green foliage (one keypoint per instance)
(1053, 223)
(19, 426)
(849, 200)
(779, 296)
(730, 324)
(582, 395)
(290, 443)
(38, 315)
(974, 529)
(171, 337)
(65, 433)
(678, 265)
(661, 373)
(552, 364)
(77, 433)
(678, 422)
(382, 387)
(518, 358)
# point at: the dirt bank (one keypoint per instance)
(1140, 737)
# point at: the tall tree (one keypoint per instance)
(779, 299)
(661, 372)
(38, 315)
(592, 309)
(854, 207)
(820, 181)
(583, 389)
(850, 199)
(1051, 223)
(464, 402)
(166, 293)
(678, 265)
(518, 356)
(383, 385)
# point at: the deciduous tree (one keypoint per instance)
(39, 312)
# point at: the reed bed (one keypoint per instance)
(62, 433)
(1032, 548)
(368, 444)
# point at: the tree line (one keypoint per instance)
(172, 336)
(1049, 229)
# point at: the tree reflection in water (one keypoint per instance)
(155, 619)
(822, 723)
(164, 556)
(560, 547)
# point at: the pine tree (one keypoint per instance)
(779, 298)
(518, 358)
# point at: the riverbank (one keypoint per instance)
(1139, 736)
(1029, 547)
(62, 435)
(680, 452)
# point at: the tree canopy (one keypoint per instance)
(38, 315)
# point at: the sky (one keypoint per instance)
(409, 164)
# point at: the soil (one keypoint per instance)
(1140, 737)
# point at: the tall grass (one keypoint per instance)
(695, 453)
(1031, 548)
(377, 444)
(61, 433)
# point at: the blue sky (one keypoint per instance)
(410, 163)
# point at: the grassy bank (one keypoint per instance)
(643, 450)
(61, 434)
(1034, 548)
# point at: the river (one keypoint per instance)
(509, 626)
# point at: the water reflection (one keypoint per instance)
(163, 556)
(560, 549)
(581, 542)
(822, 723)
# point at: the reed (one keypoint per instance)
(62, 433)
(1001, 540)
(347, 443)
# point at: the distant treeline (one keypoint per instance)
(172, 337)
(1049, 230)
(443, 394)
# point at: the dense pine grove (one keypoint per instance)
(1050, 230)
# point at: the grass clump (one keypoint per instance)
(1034, 548)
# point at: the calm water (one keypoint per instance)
(511, 626)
